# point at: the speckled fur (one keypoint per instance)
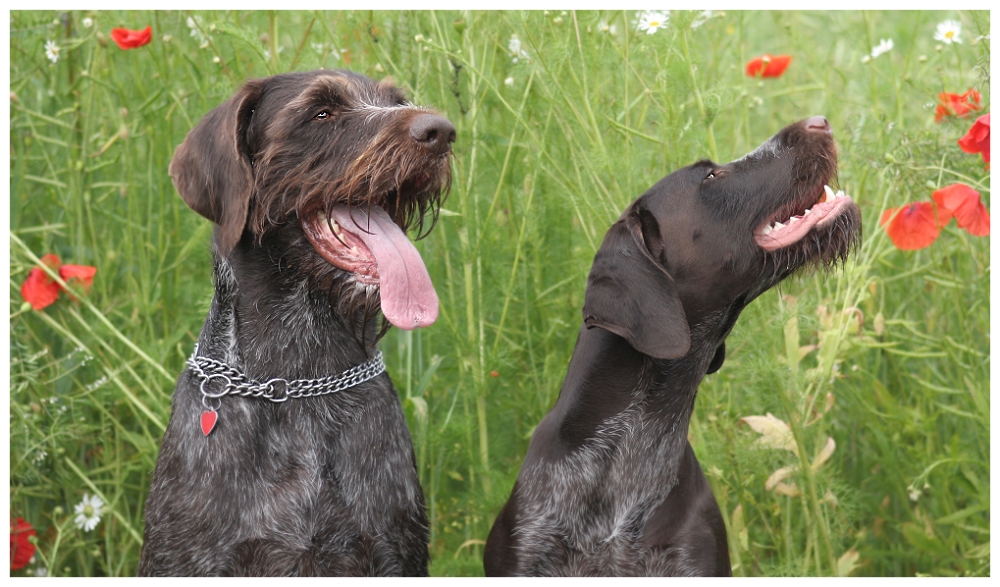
(313, 486)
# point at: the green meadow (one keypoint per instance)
(879, 369)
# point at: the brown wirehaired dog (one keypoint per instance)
(312, 179)
(610, 485)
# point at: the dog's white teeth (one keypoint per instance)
(793, 220)
(355, 250)
(767, 230)
(807, 212)
(778, 226)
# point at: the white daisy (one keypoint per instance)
(52, 51)
(884, 45)
(509, 82)
(652, 21)
(88, 22)
(88, 512)
(948, 32)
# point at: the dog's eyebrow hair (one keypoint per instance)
(376, 107)
(374, 110)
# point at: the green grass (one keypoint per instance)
(550, 149)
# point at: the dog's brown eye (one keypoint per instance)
(323, 115)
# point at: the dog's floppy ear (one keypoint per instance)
(630, 294)
(211, 169)
(718, 359)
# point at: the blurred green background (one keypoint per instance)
(563, 118)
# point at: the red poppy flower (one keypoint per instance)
(78, 274)
(129, 39)
(964, 203)
(958, 105)
(768, 66)
(977, 140)
(39, 289)
(21, 550)
(914, 227)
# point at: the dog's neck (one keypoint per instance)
(602, 361)
(268, 321)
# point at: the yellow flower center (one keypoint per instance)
(88, 510)
(950, 34)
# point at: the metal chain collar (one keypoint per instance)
(276, 390)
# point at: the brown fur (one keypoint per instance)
(322, 485)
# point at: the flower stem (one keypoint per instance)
(697, 96)
(812, 506)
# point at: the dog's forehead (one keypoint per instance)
(353, 89)
(673, 187)
(772, 147)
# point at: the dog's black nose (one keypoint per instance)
(433, 132)
(819, 123)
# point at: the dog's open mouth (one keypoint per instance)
(367, 243)
(791, 226)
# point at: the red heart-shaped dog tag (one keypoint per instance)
(208, 421)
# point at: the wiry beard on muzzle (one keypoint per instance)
(405, 181)
(359, 306)
(398, 176)
(392, 172)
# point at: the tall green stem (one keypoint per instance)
(697, 96)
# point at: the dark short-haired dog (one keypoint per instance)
(287, 451)
(610, 485)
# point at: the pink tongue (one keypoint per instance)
(408, 297)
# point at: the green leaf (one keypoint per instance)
(981, 551)
(919, 539)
